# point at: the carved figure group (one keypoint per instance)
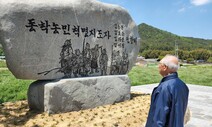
(119, 64)
(89, 61)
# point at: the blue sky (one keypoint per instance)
(190, 18)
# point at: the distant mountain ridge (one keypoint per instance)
(155, 39)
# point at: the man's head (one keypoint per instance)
(168, 65)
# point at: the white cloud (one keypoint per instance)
(200, 2)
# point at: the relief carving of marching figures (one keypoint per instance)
(89, 61)
(119, 64)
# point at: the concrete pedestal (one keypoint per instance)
(66, 95)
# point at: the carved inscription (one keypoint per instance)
(87, 60)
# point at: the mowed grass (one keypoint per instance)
(12, 89)
(193, 74)
(144, 75)
(196, 74)
(2, 64)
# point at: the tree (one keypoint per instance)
(209, 60)
(1, 52)
(200, 54)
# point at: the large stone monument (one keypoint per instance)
(75, 45)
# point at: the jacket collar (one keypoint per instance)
(170, 76)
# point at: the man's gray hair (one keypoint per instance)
(169, 63)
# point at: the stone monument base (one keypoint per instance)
(66, 95)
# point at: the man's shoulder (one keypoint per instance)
(177, 84)
(172, 83)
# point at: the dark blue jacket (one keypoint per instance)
(168, 103)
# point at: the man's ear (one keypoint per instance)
(165, 68)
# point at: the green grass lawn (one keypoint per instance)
(12, 89)
(197, 74)
(193, 74)
(144, 75)
(2, 64)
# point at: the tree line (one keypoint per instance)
(197, 54)
(1, 51)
